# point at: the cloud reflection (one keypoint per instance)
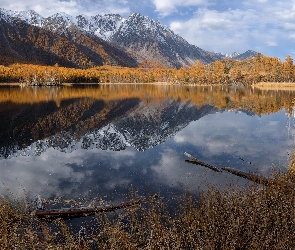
(258, 139)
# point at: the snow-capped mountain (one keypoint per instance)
(247, 54)
(232, 55)
(239, 56)
(31, 17)
(140, 36)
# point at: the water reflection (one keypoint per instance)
(103, 140)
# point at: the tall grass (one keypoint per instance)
(255, 217)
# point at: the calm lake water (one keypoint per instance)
(103, 141)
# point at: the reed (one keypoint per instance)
(255, 217)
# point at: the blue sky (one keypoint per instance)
(225, 26)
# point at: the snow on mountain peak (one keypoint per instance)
(64, 18)
(102, 26)
(31, 17)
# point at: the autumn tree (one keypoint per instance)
(288, 69)
(219, 75)
(197, 72)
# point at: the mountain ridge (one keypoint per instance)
(131, 40)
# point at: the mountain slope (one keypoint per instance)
(149, 39)
(24, 41)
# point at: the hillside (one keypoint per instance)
(25, 43)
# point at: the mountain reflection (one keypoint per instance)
(116, 116)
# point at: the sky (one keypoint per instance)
(225, 26)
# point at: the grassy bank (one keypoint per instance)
(275, 85)
(253, 218)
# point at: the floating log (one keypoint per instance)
(194, 160)
(70, 213)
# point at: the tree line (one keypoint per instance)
(249, 71)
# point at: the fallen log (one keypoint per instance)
(259, 178)
(194, 160)
(70, 213)
(250, 176)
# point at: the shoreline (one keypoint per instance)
(87, 83)
(259, 85)
(119, 83)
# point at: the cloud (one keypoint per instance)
(271, 44)
(292, 37)
(253, 25)
(167, 7)
(288, 26)
(285, 15)
(218, 31)
(72, 7)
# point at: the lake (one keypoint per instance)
(87, 142)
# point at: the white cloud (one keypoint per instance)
(218, 31)
(292, 37)
(214, 20)
(167, 7)
(288, 26)
(73, 7)
(271, 44)
(285, 14)
(257, 26)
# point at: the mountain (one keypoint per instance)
(247, 54)
(151, 40)
(238, 56)
(95, 40)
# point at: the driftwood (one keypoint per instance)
(249, 176)
(194, 160)
(70, 213)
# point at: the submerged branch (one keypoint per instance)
(249, 176)
(69, 213)
(259, 178)
(194, 160)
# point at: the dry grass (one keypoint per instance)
(275, 85)
(255, 218)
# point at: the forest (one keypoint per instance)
(248, 71)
